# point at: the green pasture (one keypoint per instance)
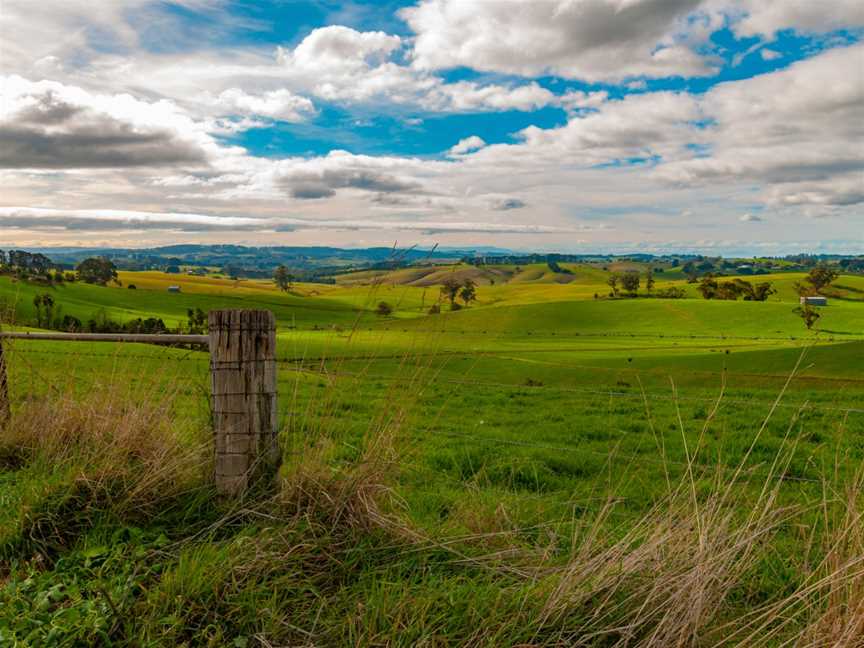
(528, 410)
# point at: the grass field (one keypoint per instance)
(541, 468)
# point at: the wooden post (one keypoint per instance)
(243, 370)
(5, 411)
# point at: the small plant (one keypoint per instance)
(383, 309)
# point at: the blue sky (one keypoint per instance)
(571, 125)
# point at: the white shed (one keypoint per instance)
(814, 300)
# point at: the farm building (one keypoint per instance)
(814, 300)
(174, 289)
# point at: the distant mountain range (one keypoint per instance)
(240, 260)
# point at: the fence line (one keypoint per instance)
(244, 368)
(611, 393)
(150, 338)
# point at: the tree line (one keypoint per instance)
(36, 267)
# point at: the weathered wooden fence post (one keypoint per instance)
(5, 411)
(243, 370)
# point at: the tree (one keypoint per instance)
(70, 324)
(630, 282)
(468, 293)
(45, 301)
(283, 278)
(97, 270)
(450, 289)
(196, 320)
(807, 313)
(821, 277)
(690, 270)
(708, 287)
(383, 309)
(649, 280)
(758, 292)
(613, 283)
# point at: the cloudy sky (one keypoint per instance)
(567, 125)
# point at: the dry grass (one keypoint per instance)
(103, 454)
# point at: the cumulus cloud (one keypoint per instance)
(337, 63)
(322, 177)
(639, 126)
(340, 48)
(282, 105)
(767, 18)
(467, 144)
(51, 125)
(803, 135)
(579, 100)
(587, 39)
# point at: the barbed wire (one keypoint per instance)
(611, 393)
(834, 337)
(561, 388)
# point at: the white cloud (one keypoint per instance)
(770, 55)
(750, 218)
(588, 39)
(467, 144)
(35, 218)
(281, 104)
(638, 126)
(341, 64)
(798, 130)
(322, 177)
(340, 49)
(579, 100)
(51, 125)
(767, 18)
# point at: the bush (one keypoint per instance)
(671, 293)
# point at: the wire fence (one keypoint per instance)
(318, 366)
(423, 377)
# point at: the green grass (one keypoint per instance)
(441, 471)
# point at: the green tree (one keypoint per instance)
(97, 270)
(196, 321)
(708, 287)
(468, 292)
(45, 301)
(630, 282)
(690, 270)
(649, 280)
(283, 278)
(757, 292)
(613, 283)
(450, 289)
(807, 313)
(821, 277)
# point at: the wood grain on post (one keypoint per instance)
(4, 389)
(243, 370)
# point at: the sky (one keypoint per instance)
(710, 126)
